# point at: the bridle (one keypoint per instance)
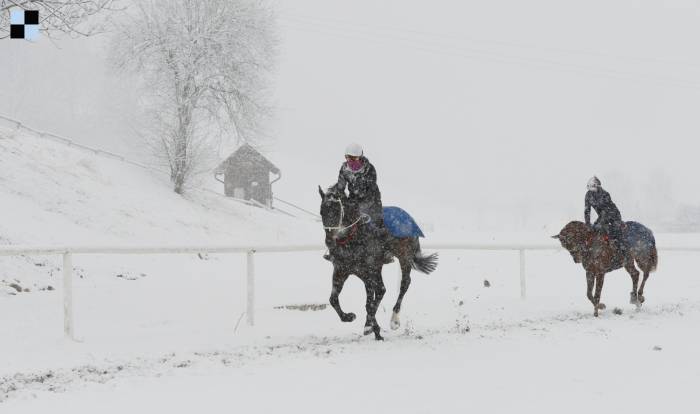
(365, 218)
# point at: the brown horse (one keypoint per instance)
(599, 256)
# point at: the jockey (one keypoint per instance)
(609, 219)
(360, 178)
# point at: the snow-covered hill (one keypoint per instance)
(56, 194)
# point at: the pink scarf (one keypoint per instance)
(355, 165)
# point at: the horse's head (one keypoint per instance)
(574, 237)
(336, 212)
(331, 208)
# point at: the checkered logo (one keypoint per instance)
(24, 24)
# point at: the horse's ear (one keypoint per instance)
(556, 237)
(320, 191)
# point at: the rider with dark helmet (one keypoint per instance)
(360, 178)
(609, 219)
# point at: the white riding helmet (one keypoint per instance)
(354, 150)
(593, 184)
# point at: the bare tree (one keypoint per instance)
(57, 16)
(204, 66)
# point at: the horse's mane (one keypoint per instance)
(575, 232)
(575, 227)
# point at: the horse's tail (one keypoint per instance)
(641, 241)
(424, 264)
(654, 260)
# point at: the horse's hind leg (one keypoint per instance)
(339, 278)
(634, 274)
(405, 283)
(640, 293)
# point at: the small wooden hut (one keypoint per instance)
(246, 175)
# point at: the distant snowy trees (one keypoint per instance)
(57, 16)
(204, 66)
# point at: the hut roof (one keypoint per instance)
(246, 156)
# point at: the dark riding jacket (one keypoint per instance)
(609, 218)
(362, 188)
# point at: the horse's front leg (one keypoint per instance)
(599, 278)
(339, 278)
(374, 288)
(590, 282)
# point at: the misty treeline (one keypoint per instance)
(71, 17)
(203, 69)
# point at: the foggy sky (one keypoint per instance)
(481, 112)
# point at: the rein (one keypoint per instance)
(340, 226)
(343, 242)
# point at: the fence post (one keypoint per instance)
(250, 288)
(68, 296)
(522, 274)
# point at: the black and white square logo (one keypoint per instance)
(24, 24)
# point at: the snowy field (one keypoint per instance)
(167, 333)
(572, 363)
(462, 345)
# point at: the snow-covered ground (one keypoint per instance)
(643, 363)
(167, 332)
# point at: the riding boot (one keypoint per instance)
(620, 247)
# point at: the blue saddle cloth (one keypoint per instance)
(637, 235)
(400, 224)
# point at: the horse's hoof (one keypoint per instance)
(395, 322)
(377, 333)
(633, 299)
(368, 330)
(601, 306)
(641, 299)
(595, 313)
(348, 317)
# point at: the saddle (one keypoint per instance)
(618, 245)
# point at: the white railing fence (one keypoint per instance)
(69, 251)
